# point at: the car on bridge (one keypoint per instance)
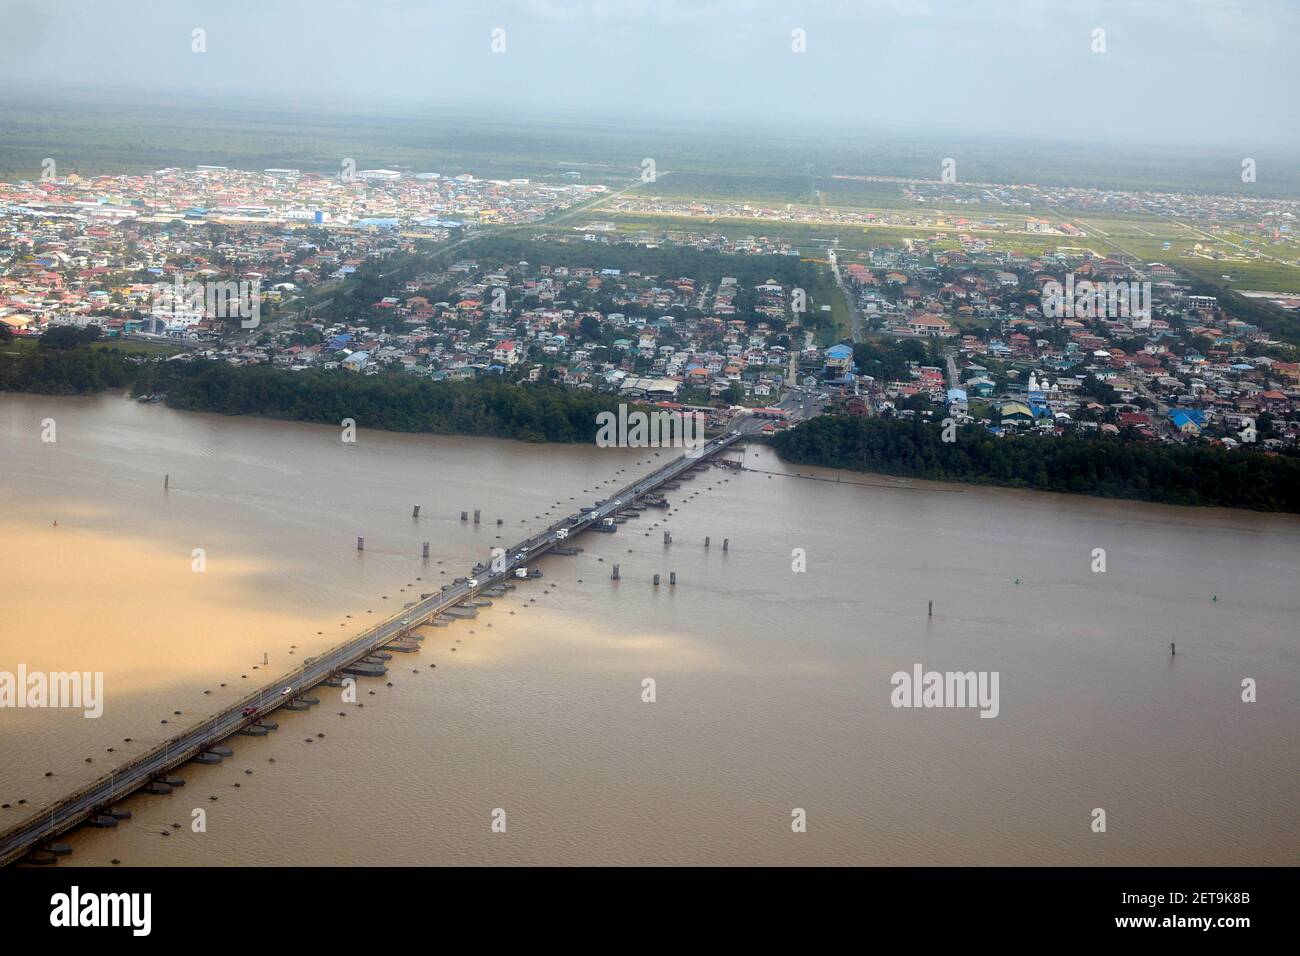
(285, 692)
(249, 711)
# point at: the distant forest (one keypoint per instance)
(119, 133)
(1195, 473)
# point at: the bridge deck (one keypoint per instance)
(77, 807)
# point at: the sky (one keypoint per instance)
(1216, 72)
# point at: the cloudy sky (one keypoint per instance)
(1221, 72)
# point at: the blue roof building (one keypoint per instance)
(1187, 419)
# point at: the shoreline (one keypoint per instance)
(887, 479)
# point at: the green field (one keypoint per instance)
(1142, 238)
(816, 236)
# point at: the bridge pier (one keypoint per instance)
(202, 743)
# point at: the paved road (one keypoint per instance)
(802, 404)
(85, 803)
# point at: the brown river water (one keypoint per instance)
(772, 688)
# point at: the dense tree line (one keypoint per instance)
(1105, 466)
(395, 401)
(63, 370)
(67, 337)
(886, 360)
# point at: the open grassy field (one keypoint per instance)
(810, 237)
(827, 292)
(1251, 263)
(1229, 253)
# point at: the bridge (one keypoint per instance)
(97, 797)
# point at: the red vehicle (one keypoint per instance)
(249, 711)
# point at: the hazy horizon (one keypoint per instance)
(1172, 73)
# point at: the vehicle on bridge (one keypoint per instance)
(249, 711)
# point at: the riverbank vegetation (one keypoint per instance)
(1124, 466)
(64, 367)
(394, 401)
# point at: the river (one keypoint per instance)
(772, 686)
